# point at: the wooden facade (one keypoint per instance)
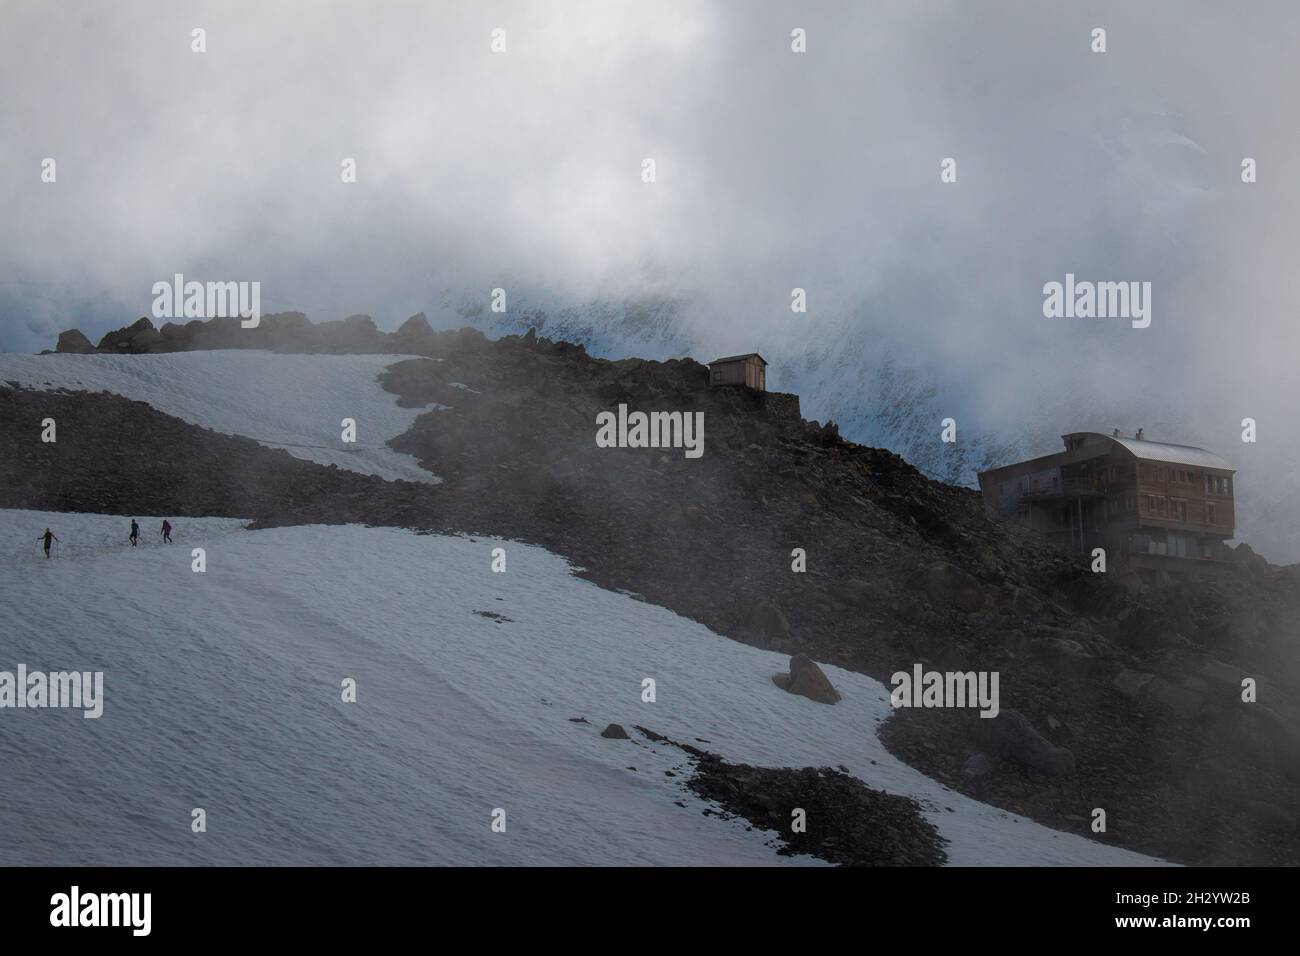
(749, 370)
(1156, 506)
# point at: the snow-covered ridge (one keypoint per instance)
(222, 691)
(295, 402)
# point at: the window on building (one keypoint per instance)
(1209, 513)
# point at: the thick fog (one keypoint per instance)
(774, 170)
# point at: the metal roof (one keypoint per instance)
(1165, 452)
(739, 358)
(1157, 451)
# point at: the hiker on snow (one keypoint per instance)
(167, 531)
(135, 533)
(47, 537)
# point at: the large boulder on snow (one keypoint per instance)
(807, 680)
(74, 341)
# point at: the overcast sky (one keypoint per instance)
(774, 170)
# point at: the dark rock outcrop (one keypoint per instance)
(416, 327)
(75, 342)
(840, 819)
(138, 337)
(1011, 736)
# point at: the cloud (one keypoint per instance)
(775, 170)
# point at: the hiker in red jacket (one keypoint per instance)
(47, 537)
(167, 531)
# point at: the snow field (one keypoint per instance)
(294, 402)
(222, 691)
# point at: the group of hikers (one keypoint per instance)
(49, 536)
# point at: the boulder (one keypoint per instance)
(417, 324)
(976, 766)
(135, 338)
(75, 342)
(413, 331)
(807, 680)
(413, 335)
(615, 732)
(1011, 735)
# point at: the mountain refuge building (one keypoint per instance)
(1160, 509)
(749, 370)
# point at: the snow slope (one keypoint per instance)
(295, 402)
(222, 691)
